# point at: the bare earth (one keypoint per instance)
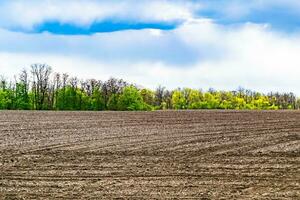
(143, 155)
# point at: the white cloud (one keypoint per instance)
(27, 14)
(250, 55)
(235, 9)
(125, 46)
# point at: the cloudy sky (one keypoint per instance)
(222, 44)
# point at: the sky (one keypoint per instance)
(221, 44)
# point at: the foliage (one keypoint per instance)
(179, 100)
(68, 93)
(5, 100)
(113, 102)
(131, 99)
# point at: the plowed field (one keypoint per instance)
(143, 155)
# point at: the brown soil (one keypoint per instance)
(143, 155)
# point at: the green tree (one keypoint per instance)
(71, 99)
(131, 99)
(22, 97)
(5, 101)
(113, 102)
(148, 96)
(52, 91)
(97, 101)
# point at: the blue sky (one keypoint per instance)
(206, 43)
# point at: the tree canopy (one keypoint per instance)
(41, 89)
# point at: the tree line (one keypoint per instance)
(41, 89)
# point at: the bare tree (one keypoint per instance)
(112, 86)
(65, 78)
(74, 86)
(159, 95)
(22, 90)
(41, 74)
(57, 86)
(3, 82)
(24, 79)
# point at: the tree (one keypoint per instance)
(111, 87)
(4, 100)
(261, 102)
(131, 99)
(194, 99)
(178, 100)
(59, 92)
(22, 97)
(148, 96)
(159, 96)
(64, 86)
(73, 97)
(167, 99)
(4, 97)
(211, 100)
(97, 101)
(57, 86)
(41, 74)
(3, 83)
(239, 103)
(298, 104)
(113, 102)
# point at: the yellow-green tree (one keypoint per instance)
(178, 100)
